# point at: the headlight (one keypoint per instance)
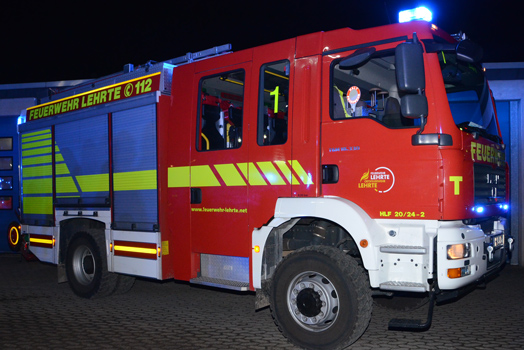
(459, 251)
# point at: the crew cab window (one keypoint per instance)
(220, 111)
(367, 91)
(273, 104)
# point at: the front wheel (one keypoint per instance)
(86, 267)
(320, 298)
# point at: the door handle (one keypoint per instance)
(329, 174)
(196, 195)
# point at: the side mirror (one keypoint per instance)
(409, 63)
(468, 51)
(356, 58)
(414, 106)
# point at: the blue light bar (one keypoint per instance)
(504, 206)
(478, 210)
(419, 13)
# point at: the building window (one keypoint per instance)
(6, 203)
(6, 143)
(6, 163)
(6, 183)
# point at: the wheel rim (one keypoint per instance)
(313, 301)
(84, 265)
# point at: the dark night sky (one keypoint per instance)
(58, 40)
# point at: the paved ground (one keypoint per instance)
(38, 313)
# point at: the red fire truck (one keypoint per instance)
(317, 171)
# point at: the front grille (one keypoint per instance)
(490, 184)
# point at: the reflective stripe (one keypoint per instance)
(94, 183)
(65, 184)
(36, 138)
(271, 173)
(230, 174)
(178, 176)
(36, 151)
(252, 174)
(31, 134)
(37, 160)
(275, 173)
(43, 241)
(135, 180)
(40, 240)
(287, 172)
(304, 177)
(38, 186)
(61, 169)
(203, 176)
(136, 249)
(30, 145)
(38, 205)
(36, 171)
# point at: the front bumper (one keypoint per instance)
(487, 252)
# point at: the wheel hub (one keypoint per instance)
(88, 264)
(313, 301)
(308, 302)
(83, 265)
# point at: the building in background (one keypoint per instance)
(15, 98)
(507, 83)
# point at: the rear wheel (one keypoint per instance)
(86, 267)
(320, 298)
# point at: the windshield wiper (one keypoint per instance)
(468, 127)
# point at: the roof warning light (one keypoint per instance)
(419, 13)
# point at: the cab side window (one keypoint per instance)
(273, 104)
(368, 91)
(220, 111)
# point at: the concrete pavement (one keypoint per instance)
(38, 313)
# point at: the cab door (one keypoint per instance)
(270, 168)
(219, 155)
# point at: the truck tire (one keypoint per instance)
(320, 298)
(86, 267)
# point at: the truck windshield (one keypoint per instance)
(469, 97)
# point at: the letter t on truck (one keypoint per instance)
(318, 172)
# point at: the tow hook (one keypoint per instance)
(489, 249)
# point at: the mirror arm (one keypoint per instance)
(423, 121)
